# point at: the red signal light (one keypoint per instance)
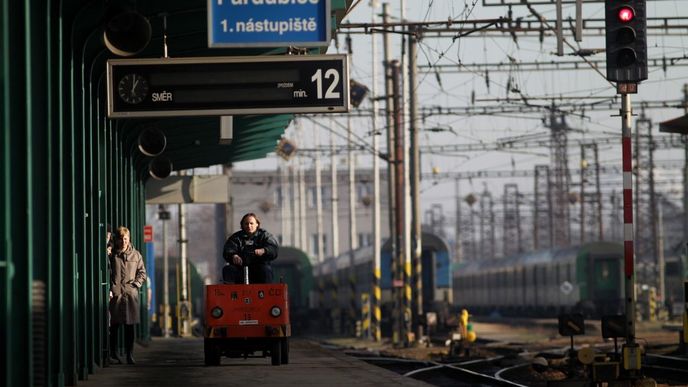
(626, 14)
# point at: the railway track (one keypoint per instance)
(508, 370)
(480, 372)
(666, 369)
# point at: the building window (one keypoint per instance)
(314, 244)
(364, 189)
(324, 241)
(326, 197)
(364, 239)
(278, 197)
(312, 197)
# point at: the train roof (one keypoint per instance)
(559, 255)
(365, 254)
(291, 255)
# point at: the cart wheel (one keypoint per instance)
(276, 353)
(211, 352)
(284, 343)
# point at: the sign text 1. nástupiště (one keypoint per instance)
(268, 23)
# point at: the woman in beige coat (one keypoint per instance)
(127, 275)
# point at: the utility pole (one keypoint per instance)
(184, 304)
(166, 317)
(416, 238)
(394, 201)
(377, 243)
(334, 292)
(406, 187)
(403, 296)
(353, 245)
(320, 246)
(334, 196)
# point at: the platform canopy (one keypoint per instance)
(194, 142)
(675, 125)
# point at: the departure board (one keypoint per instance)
(227, 85)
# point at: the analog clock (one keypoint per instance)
(133, 88)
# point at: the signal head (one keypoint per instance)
(626, 14)
(626, 40)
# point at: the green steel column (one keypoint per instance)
(17, 324)
(95, 230)
(66, 367)
(38, 253)
(91, 275)
(106, 202)
(53, 261)
(28, 175)
(99, 230)
(4, 195)
(78, 161)
(144, 327)
(5, 221)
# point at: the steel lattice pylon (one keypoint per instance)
(513, 242)
(542, 205)
(590, 199)
(560, 182)
(487, 226)
(645, 200)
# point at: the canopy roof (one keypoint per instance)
(194, 141)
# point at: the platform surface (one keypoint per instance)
(179, 362)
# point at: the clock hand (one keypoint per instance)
(133, 85)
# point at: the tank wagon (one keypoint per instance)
(586, 279)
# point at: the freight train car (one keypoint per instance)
(676, 272)
(586, 279)
(436, 290)
(293, 266)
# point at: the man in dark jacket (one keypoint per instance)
(253, 247)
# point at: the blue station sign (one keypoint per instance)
(268, 23)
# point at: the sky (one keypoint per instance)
(494, 88)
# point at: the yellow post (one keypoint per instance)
(365, 315)
(463, 324)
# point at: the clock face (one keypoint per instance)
(133, 88)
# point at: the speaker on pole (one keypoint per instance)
(127, 33)
(160, 167)
(152, 142)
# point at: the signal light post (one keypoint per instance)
(626, 49)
